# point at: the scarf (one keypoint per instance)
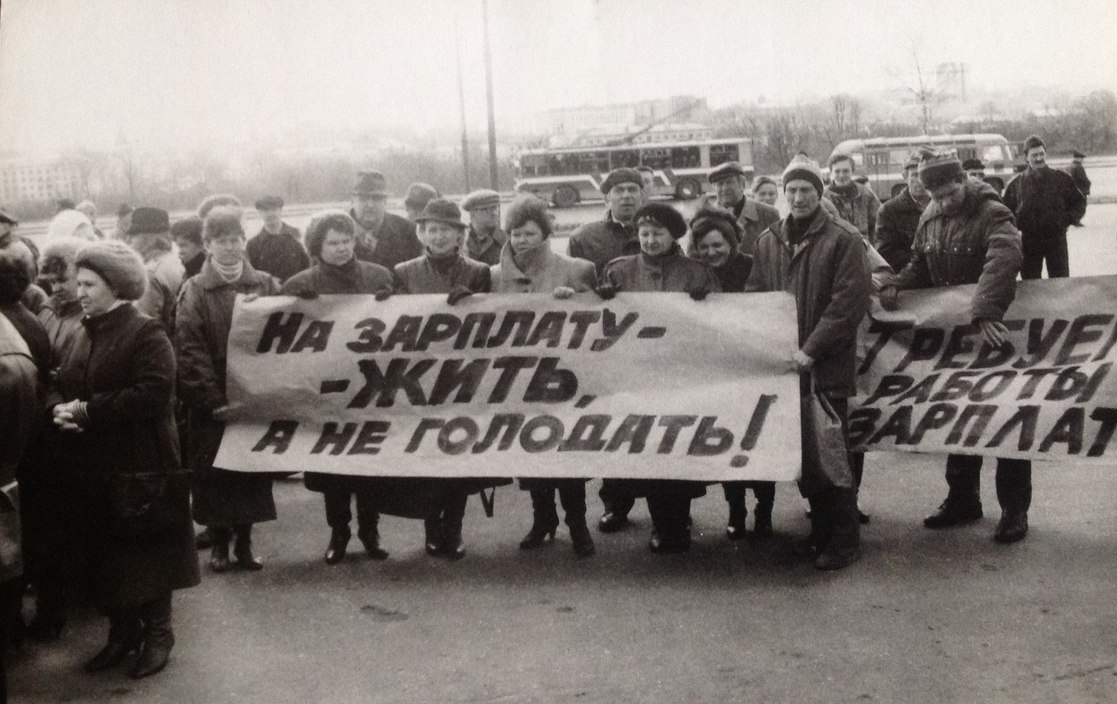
(228, 273)
(796, 229)
(848, 192)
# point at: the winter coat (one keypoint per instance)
(490, 252)
(165, 273)
(672, 271)
(828, 273)
(603, 241)
(1077, 173)
(734, 273)
(61, 319)
(977, 245)
(426, 275)
(281, 255)
(194, 266)
(123, 366)
(896, 223)
(205, 314)
(540, 270)
(19, 408)
(393, 242)
(1045, 203)
(32, 332)
(354, 277)
(754, 218)
(856, 204)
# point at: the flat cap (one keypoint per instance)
(269, 203)
(482, 198)
(724, 171)
(973, 165)
(1077, 154)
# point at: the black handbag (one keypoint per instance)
(149, 503)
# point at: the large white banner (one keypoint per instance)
(651, 385)
(929, 383)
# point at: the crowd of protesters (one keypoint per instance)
(113, 351)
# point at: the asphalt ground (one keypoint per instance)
(925, 616)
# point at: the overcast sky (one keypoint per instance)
(80, 72)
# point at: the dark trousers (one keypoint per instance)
(1053, 250)
(617, 496)
(765, 493)
(339, 514)
(572, 494)
(669, 512)
(1014, 481)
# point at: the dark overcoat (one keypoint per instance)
(282, 255)
(205, 314)
(123, 366)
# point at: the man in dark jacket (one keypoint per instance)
(382, 238)
(967, 236)
(277, 248)
(855, 202)
(187, 236)
(1077, 172)
(897, 218)
(1045, 202)
(484, 238)
(822, 262)
(614, 236)
(731, 182)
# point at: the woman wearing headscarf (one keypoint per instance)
(227, 502)
(330, 240)
(715, 239)
(661, 266)
(442, 269)
(113, 415)
(529, 265)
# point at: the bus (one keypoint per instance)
(568, 175)
(882, 160)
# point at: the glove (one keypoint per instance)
(699, 293)
(889, 298)
(383, 294)
(307, 294)
(563, 292)
(606, 291)
(457, 293)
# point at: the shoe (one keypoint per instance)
(540, 534)
(951, 513)
(433, 540)
(153, 658)
(371, 541)
(335, 552)
(1012, 527)
(834, 559)
(863, 518)
(735, 528)
(612, 522)
(453, 548)
(242, 551)
(219, 556)
(158, 639)
(582, 540)
(124, 637)
(662, 544)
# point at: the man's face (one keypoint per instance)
(1037, 157)
(950, 196)
(485, 219)
(370, 209)
(623, 199)
(187, 249)
(654, 239)
(915, 186)
(440, 238)
(730, 191)
(227, 250)
(976, 175)
(337, 248)
(841, 173)
(273, 219)
(802, 196)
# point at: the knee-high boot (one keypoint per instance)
(158, 638)
(544, 519)
(125, 635)
(573, 497)
(452, 516)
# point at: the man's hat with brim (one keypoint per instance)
(370, 183)
(441, 210)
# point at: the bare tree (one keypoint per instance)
(918, 84)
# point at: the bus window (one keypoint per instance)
(899, 157)
(965, 153)
(858, 159)
(685, 157)
(877, 160)
(721, 153)
(994, 154)
(625, 158)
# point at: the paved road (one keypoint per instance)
(943, 617)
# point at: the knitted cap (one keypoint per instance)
(118, 264)
(662, 215)
(938, 167)
(1032, 142)
(803, 167)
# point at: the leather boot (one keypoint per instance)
(219, 553)
(335, 551)
(242, 550)
(371, 540)
(544, 519)
(954, 511)
(573, 497)
(125, 632)
(368, 521)
(815, 543)
(844, 546)
(762, 521)
(158, 639)
(452, 545)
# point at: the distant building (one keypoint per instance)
(600, 119)
(611, 134)
(26, 179)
